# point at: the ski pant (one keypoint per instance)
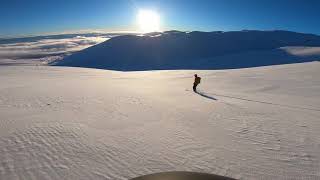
(195, 87)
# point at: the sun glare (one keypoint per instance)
(148, 21)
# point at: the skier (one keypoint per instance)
(197, 80)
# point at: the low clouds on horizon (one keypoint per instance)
(45, 49)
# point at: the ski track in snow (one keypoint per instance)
(76, 123)
(263, 102)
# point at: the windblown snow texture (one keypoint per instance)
(79, 123)
(194, 50)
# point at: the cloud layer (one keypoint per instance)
(46, 49)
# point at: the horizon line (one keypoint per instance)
(104, 31)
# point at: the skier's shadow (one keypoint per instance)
(206, 96)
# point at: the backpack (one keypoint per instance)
(198, 80)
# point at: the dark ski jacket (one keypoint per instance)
(197, 80)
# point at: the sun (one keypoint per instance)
(148, 21)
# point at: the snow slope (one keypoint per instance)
(78, 123)
(182, 50)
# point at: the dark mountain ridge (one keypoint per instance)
(188, 50)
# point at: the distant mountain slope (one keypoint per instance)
(192, 50)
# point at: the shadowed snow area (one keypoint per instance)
(78, 123)
(198, 50)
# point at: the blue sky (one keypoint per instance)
(23, 17)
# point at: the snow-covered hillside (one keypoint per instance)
(195, 50)
(78, 123)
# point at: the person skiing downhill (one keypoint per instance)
(197, 80)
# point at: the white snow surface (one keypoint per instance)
(78, 123)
